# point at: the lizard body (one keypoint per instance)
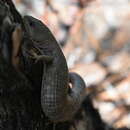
(59, 101)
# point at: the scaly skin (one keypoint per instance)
(58, 101)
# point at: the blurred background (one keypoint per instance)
(95, 38)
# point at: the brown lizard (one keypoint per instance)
(59, 101)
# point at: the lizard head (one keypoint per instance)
(35, 29)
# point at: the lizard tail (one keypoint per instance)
(77, 91)
(75, 97)
(72, 102)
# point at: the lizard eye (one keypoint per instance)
(31, 24)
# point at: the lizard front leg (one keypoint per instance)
(35, 53)
(40, 57)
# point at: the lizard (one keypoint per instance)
(59, 101)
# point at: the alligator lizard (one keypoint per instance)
(59, 102)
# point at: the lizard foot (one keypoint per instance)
(39, 57)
